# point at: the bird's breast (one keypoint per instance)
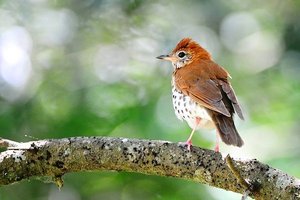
(187, 109)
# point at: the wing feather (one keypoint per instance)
(207, 83)
(207, 94)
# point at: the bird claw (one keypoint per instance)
(188, 143)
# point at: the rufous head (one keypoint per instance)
(186, 52)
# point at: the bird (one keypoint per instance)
(202, 94)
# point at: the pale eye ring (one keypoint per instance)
(181, 54)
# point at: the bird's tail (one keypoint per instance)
(226, 129)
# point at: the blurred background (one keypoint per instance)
(88, 68)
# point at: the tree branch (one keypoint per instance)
(57, 157)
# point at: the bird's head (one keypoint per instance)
(185, 52)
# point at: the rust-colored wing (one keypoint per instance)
(208, 85)
(205, 92)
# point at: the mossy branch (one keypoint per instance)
(56, 157)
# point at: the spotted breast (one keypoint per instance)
(188, 110)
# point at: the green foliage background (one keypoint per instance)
(88, 68)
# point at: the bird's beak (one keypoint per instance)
(165, 57)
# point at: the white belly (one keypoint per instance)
(188, 110)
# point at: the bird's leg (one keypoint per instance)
(189, 140)
(217, 147)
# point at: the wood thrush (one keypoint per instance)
(202, 94)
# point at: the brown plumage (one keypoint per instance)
(204, 83)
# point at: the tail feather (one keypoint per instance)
(227, 130)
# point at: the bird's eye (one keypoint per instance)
(181, 54)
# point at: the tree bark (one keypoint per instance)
(56, 157)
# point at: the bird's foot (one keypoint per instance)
(188, 144)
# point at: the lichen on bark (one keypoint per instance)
(54, 158)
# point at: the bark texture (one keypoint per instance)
(56, 157)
